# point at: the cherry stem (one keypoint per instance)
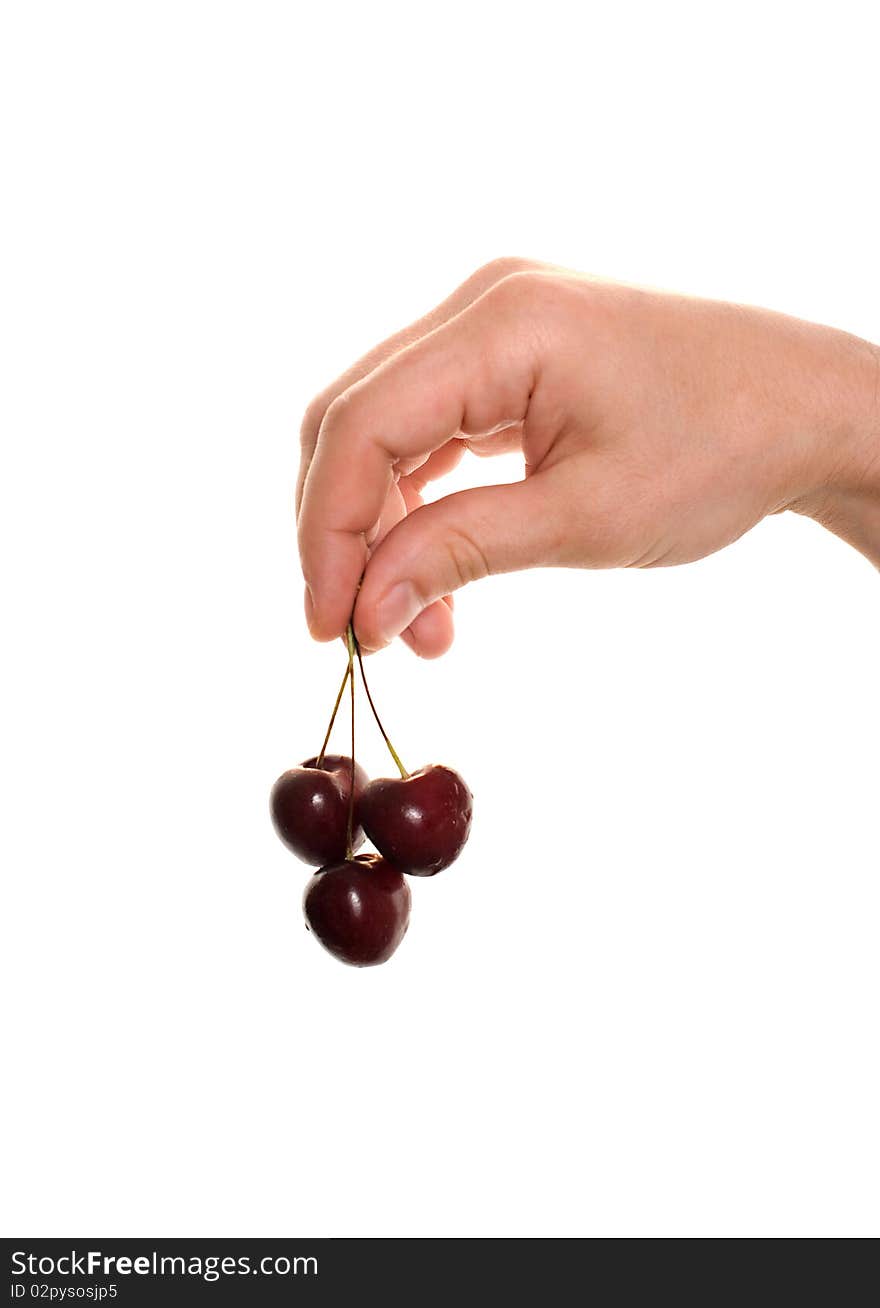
(348, 672)
(349, 677)
(391, 750)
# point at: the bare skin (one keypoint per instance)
(655, 430)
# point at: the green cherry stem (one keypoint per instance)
(348, 672)
(391, 750)
(349, 840)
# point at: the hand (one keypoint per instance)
(655, 429)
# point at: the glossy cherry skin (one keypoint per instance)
(309, 807)
(420, 822)
(358, 909)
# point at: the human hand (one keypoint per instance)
(655, 429)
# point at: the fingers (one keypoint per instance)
(469, 291)
(445, 545)
(432, 632)
(505, 441)
(437, 465)
(473, 374)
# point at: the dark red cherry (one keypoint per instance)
(359, 909)
(309, 807)
(419, 822)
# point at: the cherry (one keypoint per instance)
(309, 807)
(358, 908)
(420, 822)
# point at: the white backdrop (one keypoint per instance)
(645, 1000)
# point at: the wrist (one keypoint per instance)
(846, 499)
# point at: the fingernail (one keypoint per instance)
(409, 639)
(309, 605)
(396, 610)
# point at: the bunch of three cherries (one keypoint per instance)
(358, 905)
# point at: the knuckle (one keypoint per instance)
(467, 559)
(327, 414)
(523, 287)
(312, 419)
(338, 413)
(497, 269)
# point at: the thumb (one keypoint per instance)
(442, 546)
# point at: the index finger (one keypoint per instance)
(471, 289)
(472, 374)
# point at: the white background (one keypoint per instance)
(645, 1000)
